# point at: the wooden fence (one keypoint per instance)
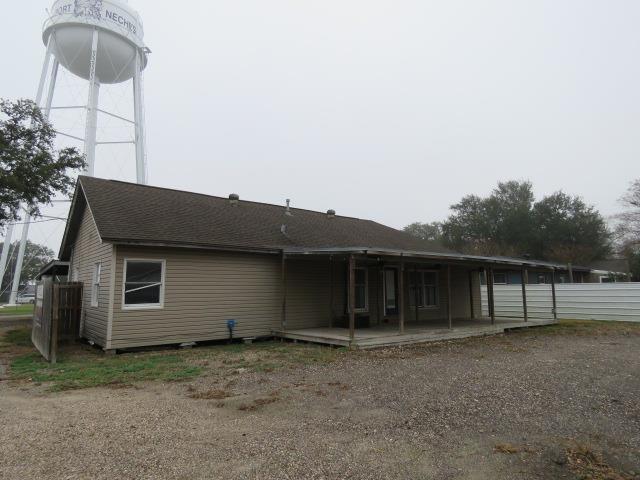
(575, 301)
(56, 316)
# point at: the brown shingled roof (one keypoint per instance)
(129, 212)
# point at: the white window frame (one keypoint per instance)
(424, 287)
(95, 284)
(366, 290)
(144, 306)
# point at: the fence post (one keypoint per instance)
(553, 294)
(55, 312)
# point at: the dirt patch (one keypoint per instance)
(589, 464)
(212, 394)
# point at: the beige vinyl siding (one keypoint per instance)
(308, 293)
(88, 250)
(203, 289)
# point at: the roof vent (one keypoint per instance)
(288, 209)
(234, 198)
(331, 213)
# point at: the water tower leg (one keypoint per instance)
(25, 228)
(5, 253)
(141, 173)
(18, 270)
(52, 87)
(92, 109)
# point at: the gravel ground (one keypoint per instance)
(435, 411)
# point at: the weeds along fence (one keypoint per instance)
(577, 301)
(56, 316)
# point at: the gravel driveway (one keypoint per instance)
(507, 407)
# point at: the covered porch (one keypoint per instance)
(365, 299)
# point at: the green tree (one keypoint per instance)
(510, 222)
(425, 231)
(35, 257)
(568, 230)
(32, 172)
(500, 224)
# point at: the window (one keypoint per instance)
(95, 284)
(500, 278)
(361, 300)
(143, 283)
(426, 282)
(542, 278)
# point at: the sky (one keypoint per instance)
(388, 110)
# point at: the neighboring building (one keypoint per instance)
(507, 276)
(162, 266)
(56, 270)
(609, 271)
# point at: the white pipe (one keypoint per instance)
(17, 272)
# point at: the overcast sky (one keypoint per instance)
(389, 110)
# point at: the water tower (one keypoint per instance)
(100, 41)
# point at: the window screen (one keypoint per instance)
(143, 282)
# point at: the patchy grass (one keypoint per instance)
(94, 370)
(85, 367)
(15, 342)
(585, 327)
(20, 338)
(17, 310)
(588, 464)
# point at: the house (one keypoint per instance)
(563, 274)
(603, 271)
(162, 266)
(610, 271)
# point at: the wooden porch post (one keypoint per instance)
(492, 305)
(553, 293)
(416, 296)
(331, 291)
(471, 310)
(449, 296)
(381, 306)
(401, 297)
(525, 280)
(284, 294)
(352, 297)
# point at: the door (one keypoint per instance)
(390, 291)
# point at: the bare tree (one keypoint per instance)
(628, 229)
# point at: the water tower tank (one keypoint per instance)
(72, 23)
